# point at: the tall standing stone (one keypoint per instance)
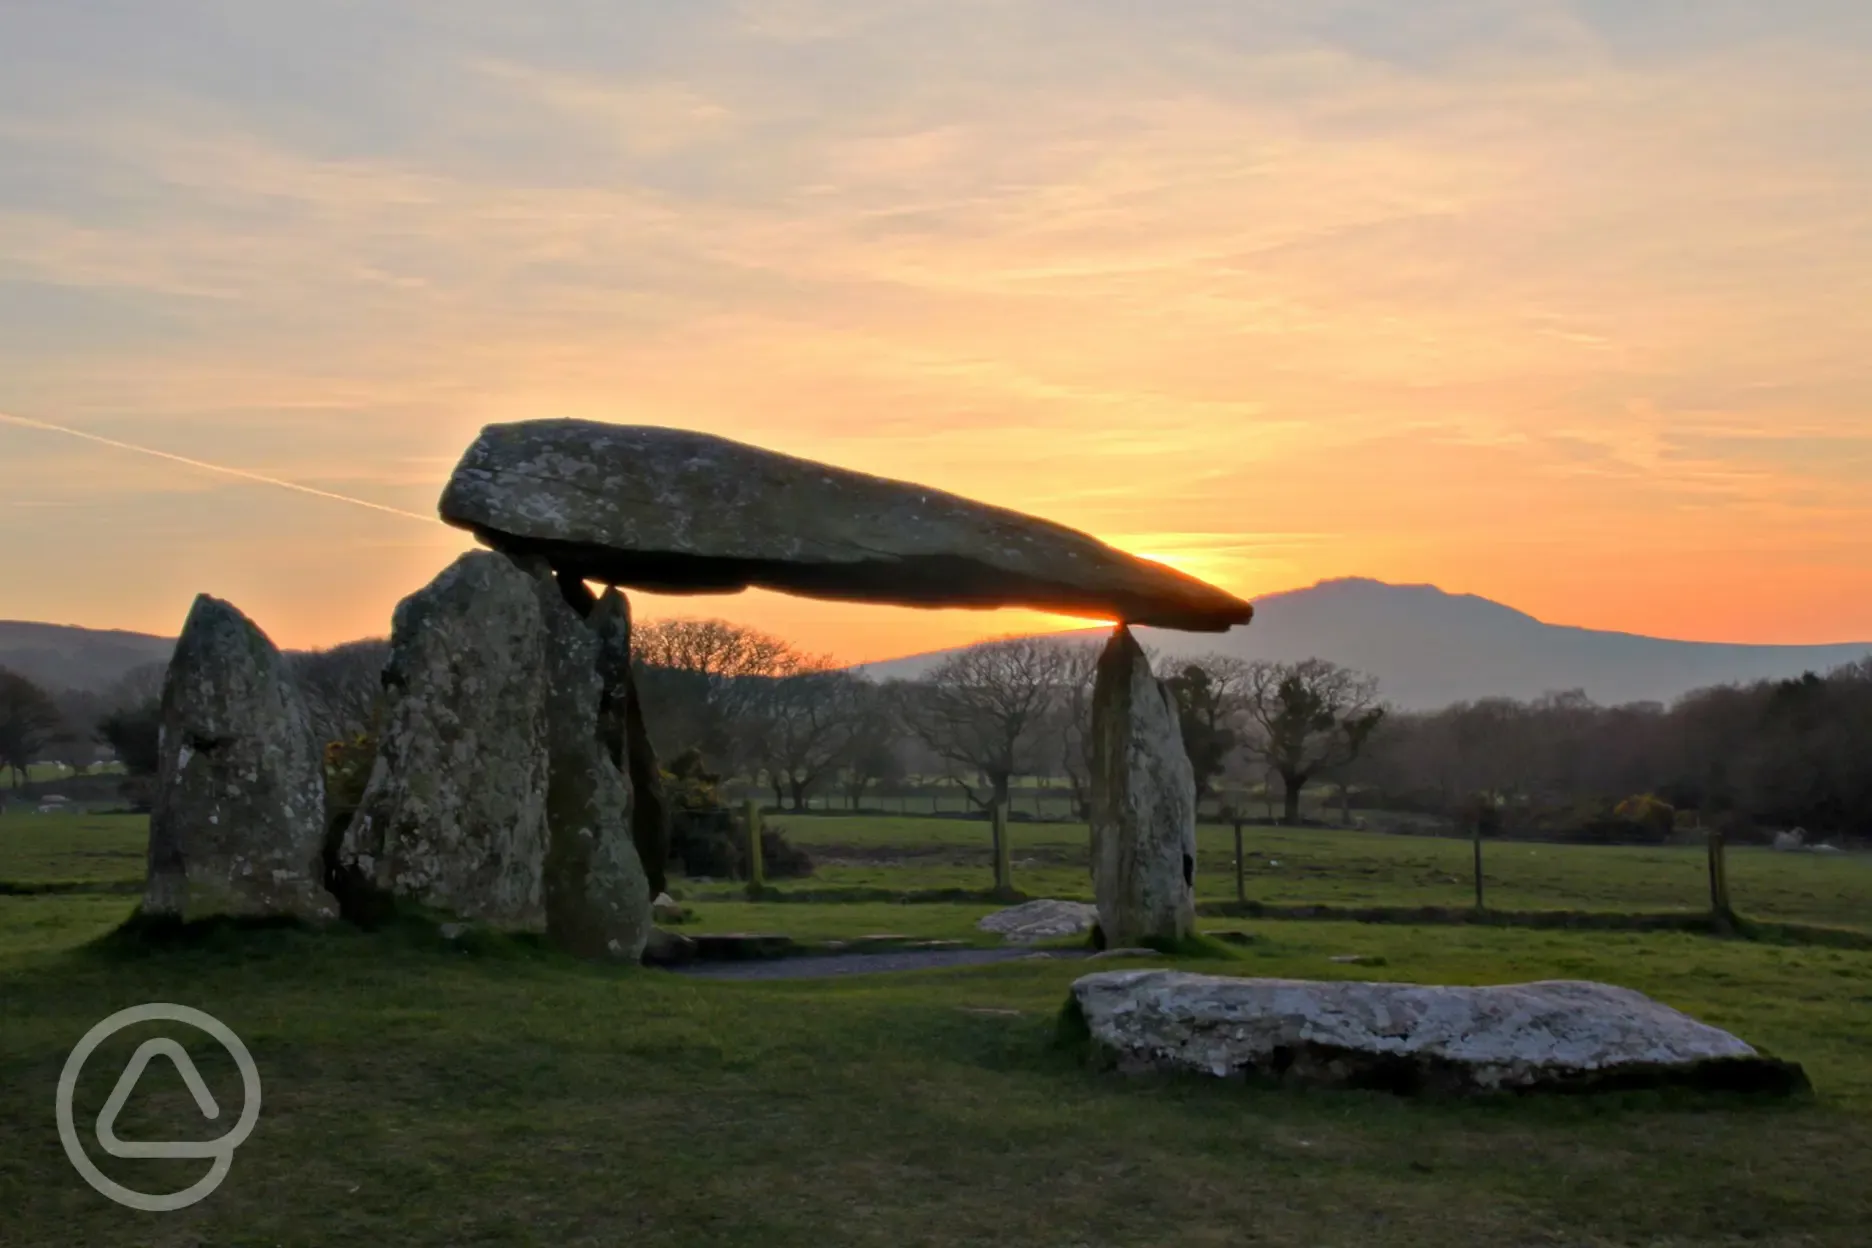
(237, 826)
(627, 737)
(1143, 802)
(492, 796)
(597, 899)
(454, 814)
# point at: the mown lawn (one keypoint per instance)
(1347, 868)
(414, 1093)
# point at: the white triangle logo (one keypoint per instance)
(126, 1083)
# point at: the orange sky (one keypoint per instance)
(1564, 304)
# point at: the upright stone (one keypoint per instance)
(597, 899)
(238, 821)
(454, 815)
(627, 738)
(492, 796)
(1143, 803)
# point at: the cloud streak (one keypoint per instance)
(1439, 285)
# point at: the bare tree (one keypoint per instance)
(30, 723)
(1078, 674)
(803, 725)
(342, 686)
(138, 687)
(985, 711)
(704, 684)
(1306, 718)
(872, 753)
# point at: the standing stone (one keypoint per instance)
(237, 825)
(627, 737)
(1143, 803)
(492, 797)
(597, 899)
(454, 814)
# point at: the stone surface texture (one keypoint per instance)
(627, 737)
(1041, 919)
(1404, 1036)
(492, 796)
(596, 897)
(673, 510)
(238, 820)
(1143, 802)
(454, 813)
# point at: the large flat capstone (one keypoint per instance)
(1560, 1034)
(675, 511)
(238, 822)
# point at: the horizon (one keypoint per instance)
(1561, 305)
(1060, 625)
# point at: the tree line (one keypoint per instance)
(1774, 754)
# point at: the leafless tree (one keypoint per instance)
(342, 686)
(707, 684)
(985, 711)
(1306, 718)
(802, 725)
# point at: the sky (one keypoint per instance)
(1560, 302)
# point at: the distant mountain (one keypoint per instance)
(1429, 648)
(64, 656)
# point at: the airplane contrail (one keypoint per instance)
(242, 473)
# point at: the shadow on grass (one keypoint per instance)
(145, 935)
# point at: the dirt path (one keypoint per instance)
(821, 966)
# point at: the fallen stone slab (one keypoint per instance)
(1561, 1035)
(1041, 919)
(676, 511)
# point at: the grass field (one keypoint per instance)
(418, 1094)
(1346, 868)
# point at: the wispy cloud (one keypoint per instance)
(1430, 282)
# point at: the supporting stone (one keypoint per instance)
(239, 815)
(454, 814)
(596, 898)
(627, 738)
(492, 796)
(1143, 803)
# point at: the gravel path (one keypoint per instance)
(820, 966)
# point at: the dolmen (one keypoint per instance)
(1558, 1035)
(514, 783)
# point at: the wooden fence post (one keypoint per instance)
(1002, 869)
(1478, 864)
(1719, 881)
(756, 869)
(1241, 884)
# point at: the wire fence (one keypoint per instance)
(1340, 870)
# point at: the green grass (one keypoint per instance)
(1347, 868)
(419, 1094)
(49, 773)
